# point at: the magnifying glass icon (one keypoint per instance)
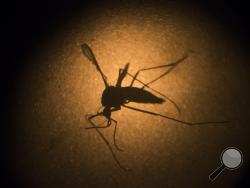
(231, 159)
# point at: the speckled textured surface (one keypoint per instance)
(51, 148)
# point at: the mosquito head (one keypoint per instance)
(106, 112)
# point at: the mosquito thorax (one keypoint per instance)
(112, 96)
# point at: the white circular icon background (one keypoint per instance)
(232, 158)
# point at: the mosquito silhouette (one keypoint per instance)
(115, 97)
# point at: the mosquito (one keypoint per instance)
(115, 97)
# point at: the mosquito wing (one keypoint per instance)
(156, 91)
(122, 75)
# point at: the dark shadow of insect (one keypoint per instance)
(115, 97)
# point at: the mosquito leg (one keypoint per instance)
(173, 119)
(171, 65)
(135, 77)
(107, 143)
(94, 126)
(158, 67)
(114, 136)
(99, 127)
(89, 116)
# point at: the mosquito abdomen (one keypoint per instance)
(134, 94)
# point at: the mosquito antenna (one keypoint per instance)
(91, 57)
(154, 90)
(107, 142)
(173, 119)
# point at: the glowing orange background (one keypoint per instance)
(50, 145)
